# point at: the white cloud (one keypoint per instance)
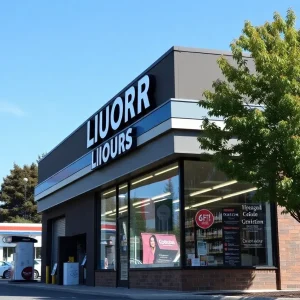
(10, 108)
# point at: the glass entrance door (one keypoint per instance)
(123, 237)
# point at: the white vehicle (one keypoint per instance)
(4, 269)
(37, 268)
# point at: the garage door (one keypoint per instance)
(58, 229)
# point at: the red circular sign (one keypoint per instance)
(27, 273)
(204, 218)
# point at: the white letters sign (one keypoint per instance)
(104, 127)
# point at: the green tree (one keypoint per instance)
(40, 157)
(169, 188)
(17, 195)
(267, 148)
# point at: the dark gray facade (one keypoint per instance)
(181, 73)
(68, 186)
(162, 70)
(80, 220)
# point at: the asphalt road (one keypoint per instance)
(13, 292)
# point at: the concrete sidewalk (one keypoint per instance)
(159, 294)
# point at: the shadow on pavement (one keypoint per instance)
(13, 291)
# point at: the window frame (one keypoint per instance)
(180, 213)
(180, 161)
(5, 252)
(98, 220)
(274, 232)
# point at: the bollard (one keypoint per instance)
(47, 274)
(53, 279)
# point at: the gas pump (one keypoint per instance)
(23, 267)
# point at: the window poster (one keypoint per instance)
(253, 226)
(159, 248)
(231, 237)
(196, 262)
(201, 248)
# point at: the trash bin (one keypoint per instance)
(71, 273)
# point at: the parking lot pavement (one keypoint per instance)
(47, 291)
(275, 294)
(14, 292)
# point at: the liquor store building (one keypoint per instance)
(130, 195)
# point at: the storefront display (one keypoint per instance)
(231, 237)
(155, 219)
(221, 218)
(206, 245)
(253, 223)
(107, 245)
(159, 249)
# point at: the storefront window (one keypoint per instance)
(108, 230)
(154, 219)
(8, 253)
(223, 224)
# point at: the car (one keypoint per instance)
(37, 268)
(5, 269)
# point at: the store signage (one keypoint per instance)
(204, 218)
(231, 237)
(16, 239)
(113, 148)
(7, 239)
(253, 226)
(27, 273)
(159, 248)
(104, 130)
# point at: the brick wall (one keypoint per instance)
(228, 279)
(156, 279)
(193, 280)
(107, 279)
(289, 251)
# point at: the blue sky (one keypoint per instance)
(62, 60)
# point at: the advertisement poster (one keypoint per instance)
(159, 248)
(231, 237)
(201, 248)
(253, 226)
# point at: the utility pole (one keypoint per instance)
(25, 184)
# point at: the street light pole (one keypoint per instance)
(25, 183)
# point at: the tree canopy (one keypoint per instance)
(17, 195)
(261, 110)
